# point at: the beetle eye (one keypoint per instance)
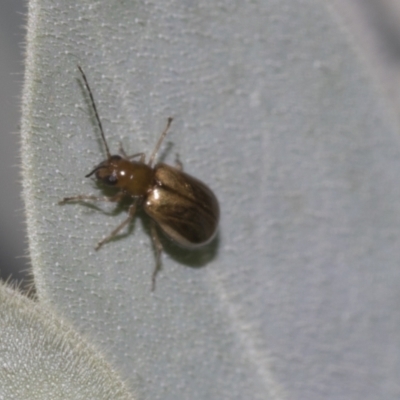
(110, 180)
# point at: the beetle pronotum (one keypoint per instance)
(185, 209)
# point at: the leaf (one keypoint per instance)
(43, 358)
(274, 111)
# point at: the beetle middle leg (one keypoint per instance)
(158, 248)
(131, 214)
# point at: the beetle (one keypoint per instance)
(183, 207)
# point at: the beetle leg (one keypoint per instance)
(131, 214)
(123, 153)
(159, 248)
(141, 155)
(115, 198)
(158, 144)
(178, 163)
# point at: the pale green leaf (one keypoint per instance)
(298, 296)
(42, 358)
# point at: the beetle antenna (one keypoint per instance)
(95, 110)
(160, 140)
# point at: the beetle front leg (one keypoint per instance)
(131, 214)
(123, 153)
(84, 197)
(141, 155)
(160, 140)
(178, 163)
(158, 248)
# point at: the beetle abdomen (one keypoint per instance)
(185, 208)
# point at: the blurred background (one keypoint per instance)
(13, 243)
(373, 25)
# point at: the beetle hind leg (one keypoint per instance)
(158, 248)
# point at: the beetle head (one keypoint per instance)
(107, 171)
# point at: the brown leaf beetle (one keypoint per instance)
(185, 209)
